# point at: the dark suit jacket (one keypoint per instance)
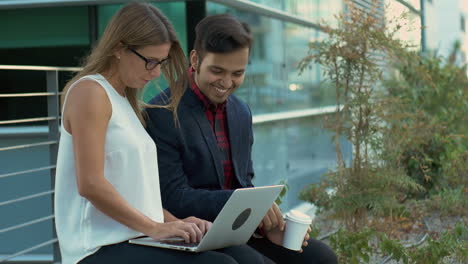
(190, 163)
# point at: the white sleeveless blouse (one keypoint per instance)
(130, 166)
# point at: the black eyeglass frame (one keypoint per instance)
(149, 61)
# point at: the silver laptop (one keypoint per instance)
(234, 225)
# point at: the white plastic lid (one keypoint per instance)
(299, 217)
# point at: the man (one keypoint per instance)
(207, 154)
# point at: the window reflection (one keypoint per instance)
(302, 152)
(315, 10)
(273, 81)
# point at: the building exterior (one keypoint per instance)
(446, 23)
(289, 108)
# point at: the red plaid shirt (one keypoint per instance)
(217, 117)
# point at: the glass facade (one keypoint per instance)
(314, 10)
(28, 28)
(175, 11)
(296, 151)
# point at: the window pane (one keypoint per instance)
(44, 27)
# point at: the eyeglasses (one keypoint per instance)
(151, 63)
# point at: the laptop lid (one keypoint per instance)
(234, 225)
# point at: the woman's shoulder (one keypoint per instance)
(88, 96)
(88, 90)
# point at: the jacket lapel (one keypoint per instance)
(234, 135)
(208, 134)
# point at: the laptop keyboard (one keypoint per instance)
(181, 243)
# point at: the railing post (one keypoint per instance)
(423, 26)
(53, 106)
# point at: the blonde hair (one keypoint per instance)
(137, 25)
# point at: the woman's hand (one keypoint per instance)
(203, 225)
(188, 231)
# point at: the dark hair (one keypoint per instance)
(221, 34)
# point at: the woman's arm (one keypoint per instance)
(168, 217)
(86, 117)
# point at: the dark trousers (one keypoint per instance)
(315, 253)
(126, 253)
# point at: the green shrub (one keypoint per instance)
(449, 202)
(352, 247)
(347, 58)
(435, 251)
(361, 246)
(433, 96)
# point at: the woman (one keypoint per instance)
(107, 183)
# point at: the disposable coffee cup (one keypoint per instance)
(297, 224)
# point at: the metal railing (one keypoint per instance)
(281, 116)
(52, 118)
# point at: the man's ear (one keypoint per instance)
(194, 59)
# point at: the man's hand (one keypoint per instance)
(203, 225)
(272, 220)
(276, 236)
